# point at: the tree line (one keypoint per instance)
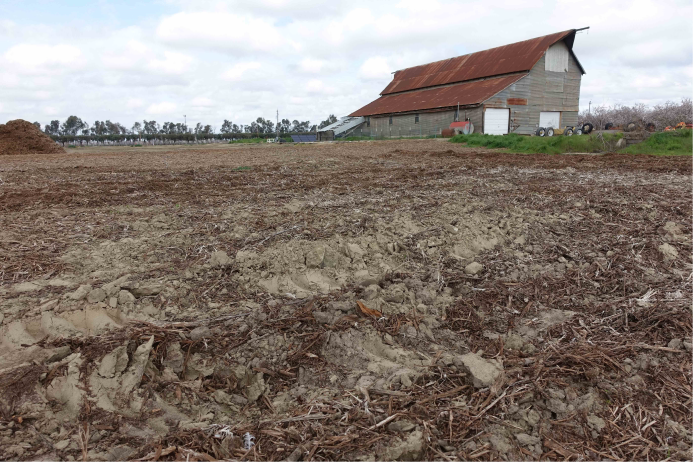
(660, 115)
(75, 126)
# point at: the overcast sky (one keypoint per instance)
(237, 60)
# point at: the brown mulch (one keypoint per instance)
(22, 137)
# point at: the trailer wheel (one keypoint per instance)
(608, 126)
(541, 131)
(578, 131)
(587, 128)
(549, 131)
(568, 132)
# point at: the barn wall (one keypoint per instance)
(430, 123)
(476, 117)
(540, 91)
(517, 97)
(404, 125)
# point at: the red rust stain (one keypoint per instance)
(517, 102)
(464, 94)
(507, 59)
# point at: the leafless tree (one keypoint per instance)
(661, 115)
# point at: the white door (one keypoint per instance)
(496, 121)
(550, 119)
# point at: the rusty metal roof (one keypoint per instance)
(507, 59)
(464, 94)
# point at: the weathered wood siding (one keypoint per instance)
(543, 91)
(557, 57)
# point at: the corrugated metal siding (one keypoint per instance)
(519, 114)
(404, 125)
(569, 118)
(571, 86)
(540, 89)
(430, 123)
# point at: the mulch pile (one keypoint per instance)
(22, 137)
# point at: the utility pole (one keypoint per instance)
(277, 126)
(589, 108)
(185, 123)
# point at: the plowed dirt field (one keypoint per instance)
(393, 300)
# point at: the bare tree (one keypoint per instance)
(661, 115)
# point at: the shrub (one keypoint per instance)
(541, 145)
(679, 142)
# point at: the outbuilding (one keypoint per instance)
(514, 88)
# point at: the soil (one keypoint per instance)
(22, 137)
(391, 300)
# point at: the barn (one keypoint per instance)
(514, 88)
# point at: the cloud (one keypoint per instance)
(164, 108)
(376, 68)
(35, 59)
(202, 102)
(173, 63)
(7, 27)
(135, 103)
(311, 66)
(221, 31)
(237, 60)
(316, 9)
(237, 71)
(318, 87)
(126, 57)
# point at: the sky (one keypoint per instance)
(129, 61)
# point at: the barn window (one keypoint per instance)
(416, 119)
(390, 120)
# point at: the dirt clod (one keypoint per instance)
(482, 372)
(317, 306)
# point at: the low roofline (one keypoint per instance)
(426, 111)
(470, 93)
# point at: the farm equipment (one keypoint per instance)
(462, 128)
(679, 126)
(580, 129)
